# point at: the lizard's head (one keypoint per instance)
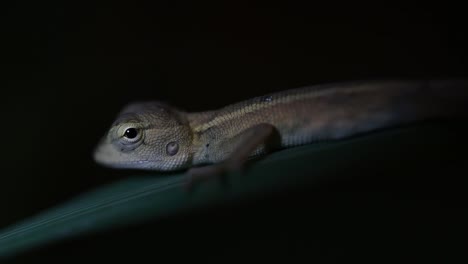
(146, 135)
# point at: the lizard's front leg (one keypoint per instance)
(250, 139)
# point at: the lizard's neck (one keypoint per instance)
(199, 148)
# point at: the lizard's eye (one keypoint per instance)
(131, 133)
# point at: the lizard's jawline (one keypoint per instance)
(137, 164)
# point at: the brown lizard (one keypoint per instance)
(152, 135)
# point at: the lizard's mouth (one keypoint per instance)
(107, 156)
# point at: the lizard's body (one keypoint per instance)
(174, 139)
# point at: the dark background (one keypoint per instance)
(67, 68)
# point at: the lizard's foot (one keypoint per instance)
(215, 171)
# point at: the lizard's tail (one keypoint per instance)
(400, 103)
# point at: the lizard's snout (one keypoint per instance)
(102, 152)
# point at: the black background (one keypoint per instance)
(67, 68)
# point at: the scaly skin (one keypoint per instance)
(166, 138)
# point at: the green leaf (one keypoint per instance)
(139, 198)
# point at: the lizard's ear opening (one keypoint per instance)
(172, 148)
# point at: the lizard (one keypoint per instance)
(154, 135)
